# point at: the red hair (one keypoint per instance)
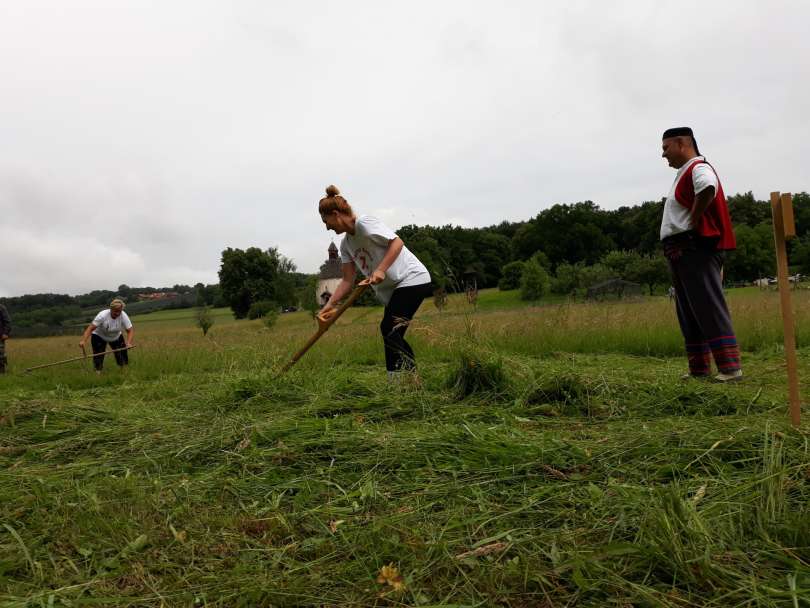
(334, 202)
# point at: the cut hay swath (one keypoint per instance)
(325, 324)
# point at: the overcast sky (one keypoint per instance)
(138, 139)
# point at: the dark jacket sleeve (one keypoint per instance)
(5, 321)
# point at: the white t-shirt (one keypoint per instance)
(367, 247)
(107, 328)
(676, 216)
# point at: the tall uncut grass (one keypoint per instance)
(541, 462)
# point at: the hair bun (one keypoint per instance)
(332, 191)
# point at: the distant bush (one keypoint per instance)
(595, 274)
(440, 298)
(510, 276)
(261, 308)
(534, 282)
(204, 319)
(270, 317)
(566, 278)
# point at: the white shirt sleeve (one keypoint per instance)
(375, 230)
(127, 322)
(703, 176)
(99, 318)
(345, 254)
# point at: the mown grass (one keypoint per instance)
(518, 474)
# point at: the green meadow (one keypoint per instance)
(549, 456)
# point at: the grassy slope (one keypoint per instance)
(199, 477)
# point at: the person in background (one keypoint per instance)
(398, 278)
(107, 329)
(5, 332)
(695, 233)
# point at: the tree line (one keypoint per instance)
(574, 237)
(565, 248)
(51, 309)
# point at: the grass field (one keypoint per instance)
(551, 457)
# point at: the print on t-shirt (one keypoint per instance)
(363, 259)
(367, 247)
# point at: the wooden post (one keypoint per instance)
(783, 228)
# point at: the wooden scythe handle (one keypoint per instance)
(117, 350)
(325, 324)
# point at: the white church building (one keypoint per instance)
(329, 277)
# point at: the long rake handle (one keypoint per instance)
(116, 350)
(323, 326)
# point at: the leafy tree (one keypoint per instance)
(745, 209)
(542, 259)
(125, 291)
(566, 233)
(800, 256)
(199, 295)
(566, 278)
(261, 309)
(510, 276)
(492, 250)
(649, 270)
(534, 282)
(754, 256)
(423, 242)
(646, 269)
(252, 275)
(588, 276)
(637, 228)
(801, 213)
(619, 261)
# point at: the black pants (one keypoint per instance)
(399, 312)
(100, 345)
(696, 268)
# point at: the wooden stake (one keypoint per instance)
(117, 350)
(781, 209)
(323, 326)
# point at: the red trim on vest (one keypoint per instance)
(716, 222)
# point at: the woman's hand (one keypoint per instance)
(81, 343)
(378, 276)
(326, 313)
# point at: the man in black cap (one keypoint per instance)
(695, 232)
(5, 331)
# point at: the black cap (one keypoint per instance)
(678, 132)
(682, 132)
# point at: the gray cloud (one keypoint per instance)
(139, 139)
